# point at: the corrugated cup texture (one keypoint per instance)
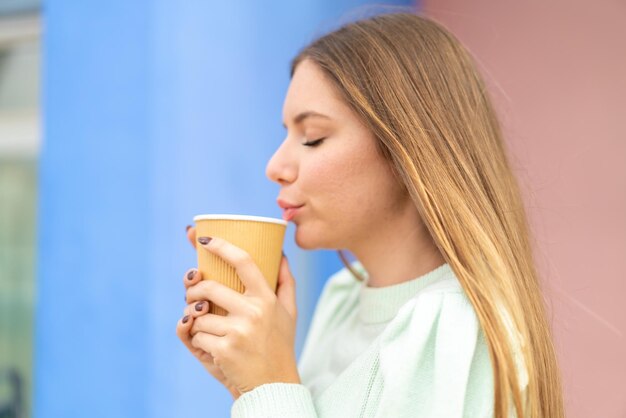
(262, 240)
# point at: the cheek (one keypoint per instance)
(330, 179)
(374, 193)
(349, 187)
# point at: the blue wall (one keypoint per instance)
(154, 111)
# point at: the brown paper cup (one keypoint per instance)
(260, 237)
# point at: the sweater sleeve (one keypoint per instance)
(435, 361)
(271, 400)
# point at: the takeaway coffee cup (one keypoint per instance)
(260, 237)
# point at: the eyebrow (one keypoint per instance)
(308, 114)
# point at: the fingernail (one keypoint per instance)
(199, 306)
(204, 240)
(284, 255)
(191, 274)
(188, 227)
(185, 319)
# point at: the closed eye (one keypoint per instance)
(314, 143)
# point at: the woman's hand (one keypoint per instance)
(254, 343)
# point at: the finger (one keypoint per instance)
(208, 343)
(219, 294)
(197, 309)
(191, 277)
(286, 288)
(182, 331)
(191, 235)
(244, 264)
(211, 324)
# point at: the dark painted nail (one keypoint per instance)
(191, 275)
(188, 227)
(204, 240)
(284, 255)
(185, 319)
(199, 306)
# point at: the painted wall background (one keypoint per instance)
(155, 111)
(556, 71)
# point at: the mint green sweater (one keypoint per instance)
(413, 349)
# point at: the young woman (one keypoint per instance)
(393, 152)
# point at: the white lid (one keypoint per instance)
(239, 218)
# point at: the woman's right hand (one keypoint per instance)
(185, 324)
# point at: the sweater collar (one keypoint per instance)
(381, 304)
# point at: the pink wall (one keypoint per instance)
(557, 72)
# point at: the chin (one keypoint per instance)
(311, 240)
(304, 242)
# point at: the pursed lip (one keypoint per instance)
(287, 205)
(289, 209)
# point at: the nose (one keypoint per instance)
(281, 168)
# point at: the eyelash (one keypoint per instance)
(314, 143)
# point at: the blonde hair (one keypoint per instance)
(416, 87)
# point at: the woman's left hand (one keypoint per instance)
(255, 343)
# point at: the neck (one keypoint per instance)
(402, 250)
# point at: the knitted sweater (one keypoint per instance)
(413, 349)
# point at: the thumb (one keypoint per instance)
(286, 288)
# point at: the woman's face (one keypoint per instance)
(346, 187)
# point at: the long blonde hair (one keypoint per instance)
(416, 87)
